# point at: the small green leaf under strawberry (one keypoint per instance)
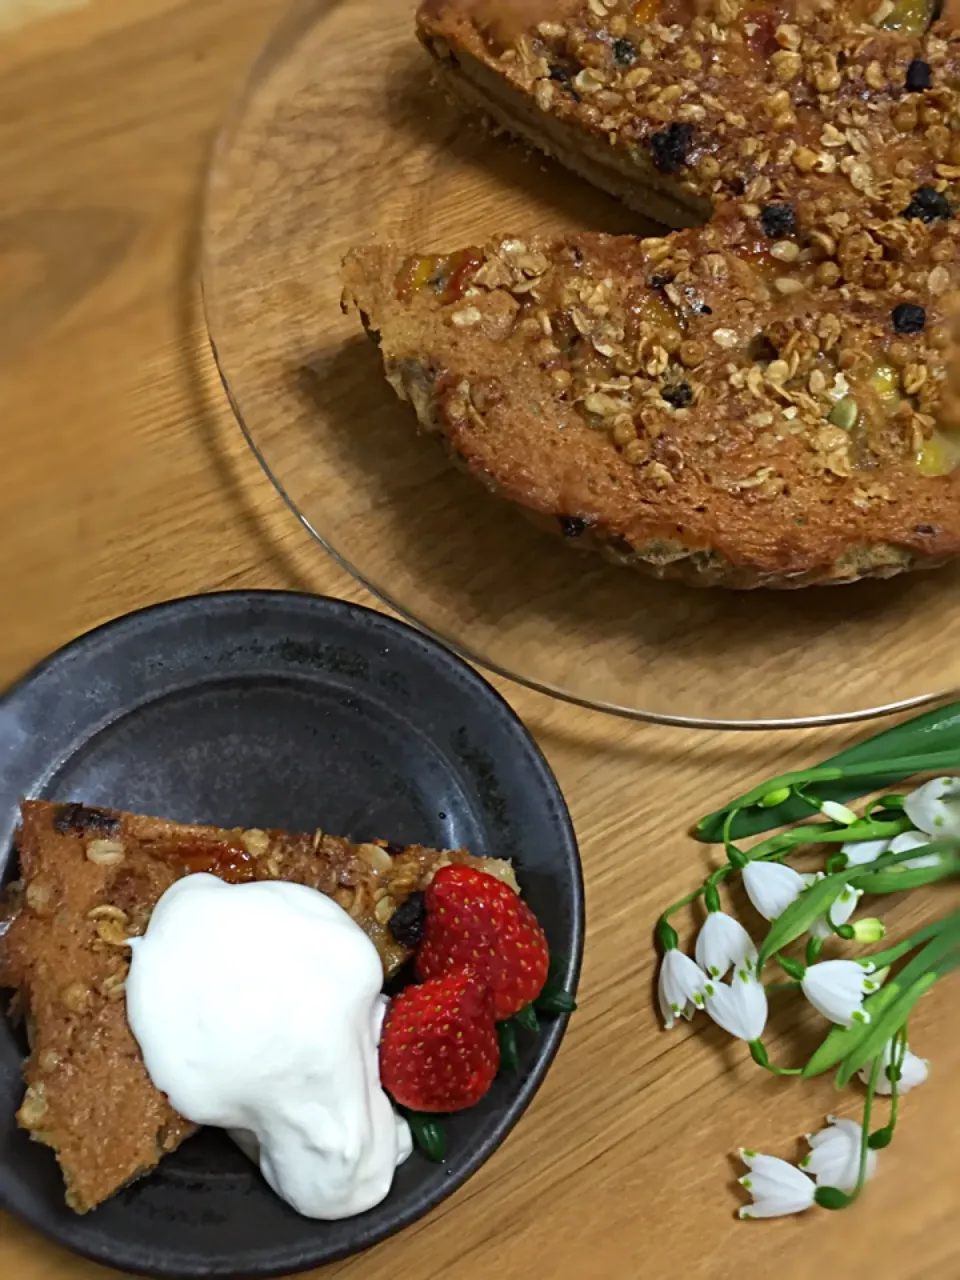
(475, 921)
(439, 1050)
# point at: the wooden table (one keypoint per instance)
(127, 481)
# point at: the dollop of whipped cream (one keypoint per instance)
(257, 1008)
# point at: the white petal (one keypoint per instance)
(723, 943)
(913, 1071)
(840, 912)
(935, 807)
(741, 1007)
(914, 840)
(836, 988)
(839, 1131)
(771, 887)
(834, 1158)
(776, 1187)
(680, 987)
(860, 852)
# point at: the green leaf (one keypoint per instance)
(894, 881)
(940, 945)
(428, 1134)
(507, 1035)
(555, 1001)
(933, 732)
(879, 1032)
(527, 1018)
(840, 1041)
(800, 915)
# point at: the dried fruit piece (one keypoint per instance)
(670, 147)
(929, 205)
(778, 220)
(406, 923)
(919, 76)
(908, 318)
(679, 395)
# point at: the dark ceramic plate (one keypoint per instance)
(267, 709)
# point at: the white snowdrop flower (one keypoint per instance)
(772, 887)
(740, 1007)
(680, 987)
(841, 909)
(837, 989)
(834, 1159)
(913, 1071)
(935, 808)
(776, 1188)
(860, 852)
(722, 944)
(914, 840)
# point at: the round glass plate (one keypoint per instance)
(339, 139)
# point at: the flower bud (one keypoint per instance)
(869, 929)
(838, 813)
(773, 798)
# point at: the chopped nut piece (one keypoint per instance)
(725, 337)
(39, 897)
(384, 909)
(34, 1107)
(256, 842)
(48, 1060)
(466, 318)
(105, 853)
(376, 858)
(76, 997)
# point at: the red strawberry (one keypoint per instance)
(438, 1048)
(476, 921)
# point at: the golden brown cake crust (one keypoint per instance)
(89, 880)
(707, 100)
(678, 402)
(763, 401)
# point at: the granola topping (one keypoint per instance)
(809, 314)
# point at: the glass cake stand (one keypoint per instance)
(339, 139)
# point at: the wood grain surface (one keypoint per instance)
(127, 482)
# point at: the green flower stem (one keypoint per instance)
(930, 736)
(674, 907)
(833, 1197)
(780, 1071)
(814, 947)
(792, 968)
(904, 766)
(872, 874)
(881, 1138)
(865, 1137)
(827, 833)
(908, 878)
(884, 802)
(736, 858)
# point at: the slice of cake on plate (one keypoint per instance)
(89, 880)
